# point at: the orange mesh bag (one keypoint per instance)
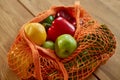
(96, 44)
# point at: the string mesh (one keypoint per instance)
(95, 42)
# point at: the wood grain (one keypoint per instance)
(101, 75)
(114, 5)
(35, 6)
(14, 13)
(12, 17)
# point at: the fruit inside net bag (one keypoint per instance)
(95, 45)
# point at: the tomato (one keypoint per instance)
(67, 16)
(60, 26)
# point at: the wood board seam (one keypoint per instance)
(26, 8)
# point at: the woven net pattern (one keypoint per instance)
(96, 44)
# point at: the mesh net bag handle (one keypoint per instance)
(96, 44)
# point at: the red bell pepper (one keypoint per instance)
(60, 26)
(67, 16)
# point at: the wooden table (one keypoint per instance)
(14, 13)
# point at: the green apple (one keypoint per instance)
(49, 44)
(65, 45)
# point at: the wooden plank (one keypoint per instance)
(111, 69)
(113, 5)
(101, 75)
(35, 6)
(92, 77)
(112, 19)
(68, 2)
(103, 14)
(12, 17)
(102, 11)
